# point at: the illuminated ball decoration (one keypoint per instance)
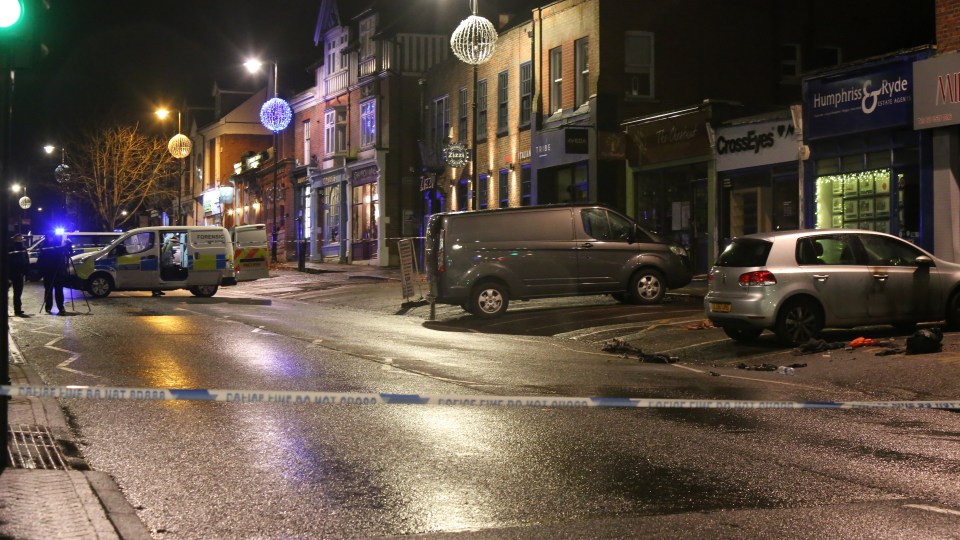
(474, 40)
(25, 202)
(62, 173)
(180, 146)
(276, 114)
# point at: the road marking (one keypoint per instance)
(695, 345)
(932, 509)
(74, 356)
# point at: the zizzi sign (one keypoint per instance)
(860, 100)
(750, 145)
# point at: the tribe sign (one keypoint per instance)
(456, 155)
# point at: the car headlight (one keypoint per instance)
(677, 250)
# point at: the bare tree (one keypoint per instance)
(119, 168)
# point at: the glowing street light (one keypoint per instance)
(180, 147)
(275, 115)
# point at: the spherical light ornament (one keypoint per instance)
(62, 173)
(180, 146)
(276, 114)
(474, 40)
(25, 202)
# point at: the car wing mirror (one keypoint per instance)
(923, 260)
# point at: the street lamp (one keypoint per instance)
(275, 115)
(24, 203)
(179, 146)
(473, 42)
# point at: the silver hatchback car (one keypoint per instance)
(798, 282)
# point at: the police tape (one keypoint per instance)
(357, 398)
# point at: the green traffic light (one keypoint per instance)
(11, 12)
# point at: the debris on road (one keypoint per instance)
(626, 350)
(925, 341)
(818, 345)
(767, 367)
(702, 325)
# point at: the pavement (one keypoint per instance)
(48, 491)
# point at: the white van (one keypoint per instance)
(199, 259)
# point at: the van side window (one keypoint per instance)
(603, 225)
(138, 243)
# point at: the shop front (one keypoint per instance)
(364, 212)
(868, 168)
(936, 111)
(674, 178)
(758, 173)
(561, 162)
(329, 199)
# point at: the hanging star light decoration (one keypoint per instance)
(180, 146)
(62, 173)
(276, 114)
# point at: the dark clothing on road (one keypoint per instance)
(18, 264)
(52, 262)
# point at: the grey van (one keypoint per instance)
(480, 260)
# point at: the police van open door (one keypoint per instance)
(250, 256)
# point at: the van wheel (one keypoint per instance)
(798, 322)
(620, 297)
(489, 300)
(99, 286)
(647, 287)
(204, 291)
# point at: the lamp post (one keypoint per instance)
(275, 115)
(24, 203)
(179, 146)
(473, 42)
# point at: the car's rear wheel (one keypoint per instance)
(99, 285)
(647, 287)
(489, 300)
(743, 335)
(204, 291)
(799, 321)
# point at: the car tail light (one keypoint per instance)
(758, 278)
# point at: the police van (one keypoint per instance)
(197, 258)
(250, 254)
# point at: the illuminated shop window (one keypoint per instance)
(859, 200)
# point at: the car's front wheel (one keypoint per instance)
(489, 300)
(799, 321)
(743, 335)
(99, 285)
(204, 291)
(647, 287)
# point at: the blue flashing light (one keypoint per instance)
(58, 231)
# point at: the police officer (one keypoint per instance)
(52, 262)
(18, 264)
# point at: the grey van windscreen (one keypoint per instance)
(545, 226)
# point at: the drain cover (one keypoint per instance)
(33, 447)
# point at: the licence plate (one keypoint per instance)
(718, 307)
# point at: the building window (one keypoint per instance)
(462, 113)
(331, 215)
(504, 186)
(482, 110)
(581, 62)
(526, 92)
(789, 62)
(440, 125)
(368, 122)
(526, 186)
(366, 208)
(306, 143)
(305, 223)
(484, 193)
(502, 80)
(638, 64)
(463, 195)
(335, 131)
(556, 80)
(367, 28)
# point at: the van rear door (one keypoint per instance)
(250, 252)
(208, 254)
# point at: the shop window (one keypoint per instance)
(366, 208)
(504, 186)
(908, 205)
(463, 195)
(526, 186)
(859, 200)
(331, 215)
(484, 195)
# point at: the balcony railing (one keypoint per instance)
(336, 83)
(368, 66)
